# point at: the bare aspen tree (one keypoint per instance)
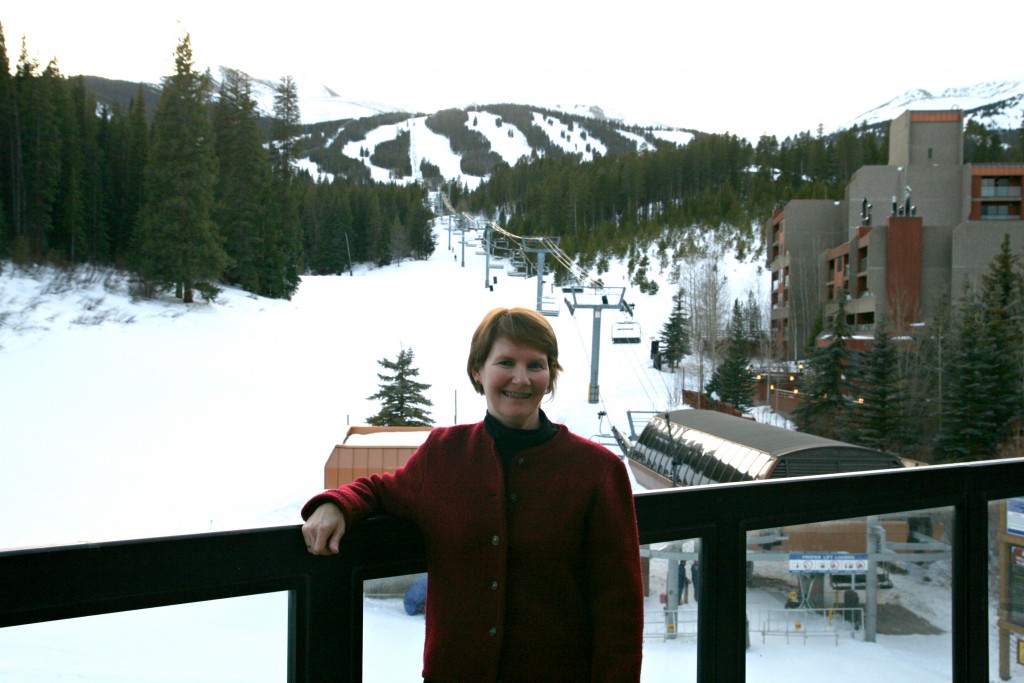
(707, 301)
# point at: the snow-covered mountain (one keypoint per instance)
(995, 104)
(317, 101)
(584, 129)
(998, 104)
(358, 126)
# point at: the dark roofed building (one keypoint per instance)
(697, 447)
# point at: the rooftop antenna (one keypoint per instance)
(865, 212)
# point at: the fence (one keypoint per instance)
(807, 623)
(325, 594)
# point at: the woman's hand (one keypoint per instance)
(324, 529)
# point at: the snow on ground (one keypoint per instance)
(129, 419)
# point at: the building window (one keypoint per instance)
(995, 212)
(995, 187)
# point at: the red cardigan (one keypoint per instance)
(533, 578)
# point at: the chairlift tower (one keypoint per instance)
(487, 254)
(540, 246)
(598, 299)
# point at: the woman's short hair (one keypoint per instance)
(522, 326)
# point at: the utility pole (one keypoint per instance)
(875, 543)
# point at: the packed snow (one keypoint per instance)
(128, 419)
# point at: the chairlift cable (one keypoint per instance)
(633, 364)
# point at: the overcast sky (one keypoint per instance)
(742, 66)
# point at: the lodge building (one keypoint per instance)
(908, 235)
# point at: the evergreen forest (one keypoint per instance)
(196, 190)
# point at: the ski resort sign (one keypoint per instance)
(1015, 516)
(828, 563)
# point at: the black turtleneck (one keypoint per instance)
(510, 441)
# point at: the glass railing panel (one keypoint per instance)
(671, 577)
(244, 640)
(394, 628)
(814, 613)
(1006, 590)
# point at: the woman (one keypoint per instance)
(532, 551)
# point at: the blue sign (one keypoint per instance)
(828, 563)
(1015, 516)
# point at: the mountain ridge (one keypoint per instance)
(372, 140)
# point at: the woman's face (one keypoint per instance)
(515, 378)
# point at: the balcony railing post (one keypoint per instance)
(721, 611)
(322, 625)
(970, 584)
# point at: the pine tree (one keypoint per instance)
(969, 425)
(281, 257)
(401, 396)
(419, 222)
(243, 180)
(126, 147)
(1002, 295)
(178, 243)
(753, 323)
(675, 333)
(7, 145)
(37, 140)
(378, 232)
(1019, 149)
(733, 379)
(984, 372)
(76, 205)
(824, 409)
(878, 418)
(922, 363)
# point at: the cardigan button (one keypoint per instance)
(494, 585)
(513, 498)
(520, 462)
(495, 540)
(493, 631)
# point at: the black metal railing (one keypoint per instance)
(325, 603)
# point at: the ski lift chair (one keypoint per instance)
(626, 332)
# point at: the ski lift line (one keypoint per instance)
(643, 379)
(640, 382)
(646, 376)
(586, 355)
(549, 246)
(545, 243)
